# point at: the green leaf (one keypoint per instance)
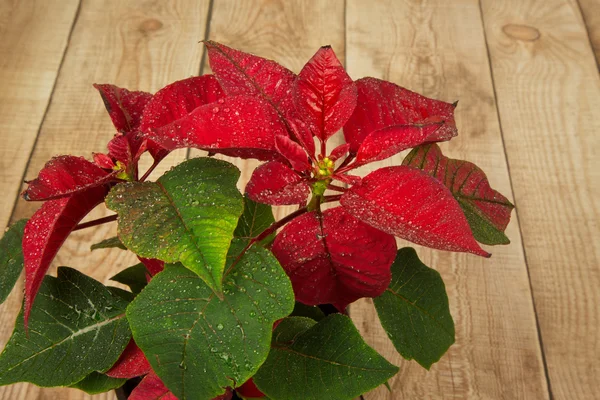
(11, 258)
(312, 312)
(414, 310)
(108, 244)
(256, 218)
(96, 383)
(188, 215)
(76, 326)
(134, 277)
(199, 344)
(324, 360)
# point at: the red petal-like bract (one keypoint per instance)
(240, 126)
(130, 364)
(334, 259)
(246, 74)
(325, 95)
(466, 181)
(178, 99)
(292, 152)
(151, 388)
(63, 176)
(339, 151)
(302, 134)
(153, 265)
(124, 107)
(47, 230)
(387, 142)
(410, 204)
(249, 390)
(276, 184)
(383, 104)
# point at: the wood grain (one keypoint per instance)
(422, 45)
(549, 96)
(591, 18)
(135, 44)
(289, 32)
(34, 37)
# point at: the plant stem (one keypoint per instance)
(95, 222)
(329, 199)
(336, 188)
(147, 174)
(345, 162)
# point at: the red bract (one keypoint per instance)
(151, 388)
(274, 183)
(384, 105)
(65, 175)
(412, 205)
(334, 258)
(132, 363)
(325, 95)
(45, 233)
(249, 390)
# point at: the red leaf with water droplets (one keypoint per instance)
(65, 175)
(177, 100)
(276, 184)
(387, 142)
(348, 179)
(337, 259)
(249, 390)
(47, 230)
(130, 364)
(239, 126)
(151, 388)
(292, 152)
(153, 265)
(325, 95)
(487, 211)
(339, 152)
(246, 74)
(383, 104)
(124, 107)
(410, 204)
(302, 133)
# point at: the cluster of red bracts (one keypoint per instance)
(255, 108)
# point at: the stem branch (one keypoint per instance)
(95, 222)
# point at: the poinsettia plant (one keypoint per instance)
(226, 301)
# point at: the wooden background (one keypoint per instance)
(526, 75)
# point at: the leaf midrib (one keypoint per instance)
(290, 350)
(424, 311)
(75, 334)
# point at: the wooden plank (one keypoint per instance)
(289, 32)
(34, 37)
(438, 48)
(591, 16)
(548, 91)
(135, 44)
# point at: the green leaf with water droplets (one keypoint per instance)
(414, 310)
(77, 326)
(320, 360)
(188, 216)
(11, 258)
(96, 383)
(312, 312)
(256, 218)
(134, 277)
(199, 344)
(113, 242)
